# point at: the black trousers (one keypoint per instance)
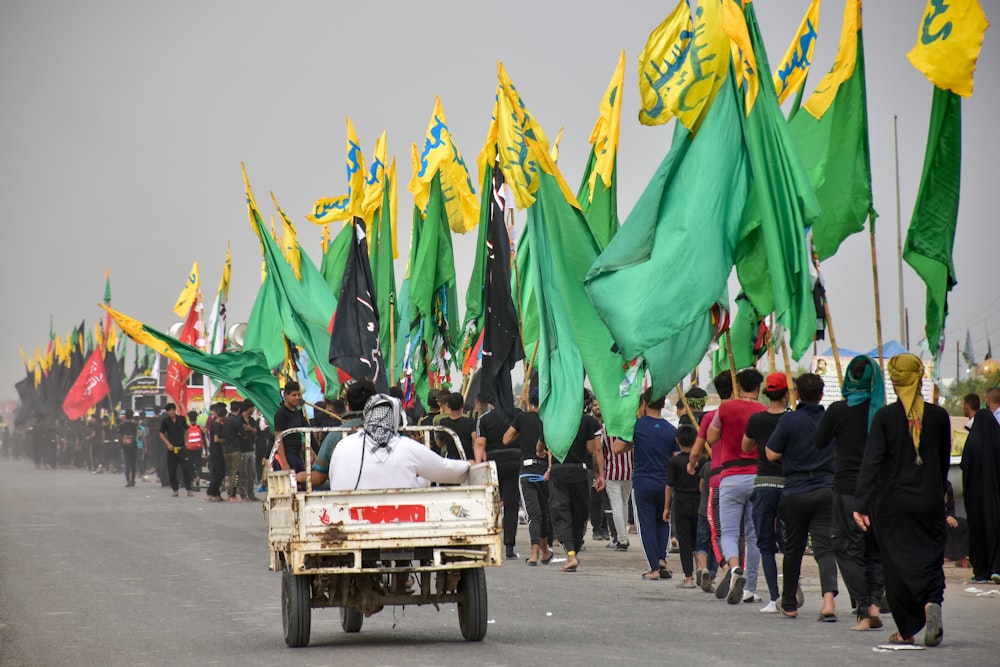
(569, 503)
(217, 471)
(535, 496)
(178, 460)
(685, 520)
(129, 456)
(508, 464)
(857, 555)
(600, 509)
(806, 514)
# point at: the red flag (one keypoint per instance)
(176, 384)
(90, 386)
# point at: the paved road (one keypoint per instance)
(93, 573)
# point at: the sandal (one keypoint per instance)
(787, 614)
(933, 630)
(546, 561)
(896, 638)
(686, 584)
(648, 576)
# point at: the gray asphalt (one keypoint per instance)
(93, 573)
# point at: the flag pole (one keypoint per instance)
(732, 362)
(527, 373)
(833, 341)
(687, 408)
(793, 399)
(899, 237)
(392, 340)
(878, 307)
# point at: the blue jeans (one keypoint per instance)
(769, 536)
(735, 508)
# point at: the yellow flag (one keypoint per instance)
(791, 73)
(843, 66)
(227, 272)
(522, 147)
(324, 241)
(440, 155)
(744, 62)
(554, 151)
(375, 181)
(24, 358)
(682, 66)
(189, 293)
(329, 209)
(355, 172)
(290, 241)
(948, 44)
(604, 137)
(112, 339)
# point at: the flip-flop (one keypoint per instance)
(665, 573)
(546, 561)
(646, 576)
(533, 563)
(896, 638)
(785, 613)
(874, 622)
(686, 584)
(933, 631)
(827, 618)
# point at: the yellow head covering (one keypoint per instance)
(906, 371)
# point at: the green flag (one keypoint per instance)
(831, 133)
(743, 332)
(384, 273)
(524, 291)
(305, 307)
(686, 223)
(335, 259)
(931, 237)
(472, 327)
(432, 299)
(264, 325)
(773, 259)
(246, 370)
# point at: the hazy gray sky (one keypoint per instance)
(124, 123)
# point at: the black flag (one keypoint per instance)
(354, 341)
(501, 338)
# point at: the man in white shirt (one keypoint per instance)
(377, 457)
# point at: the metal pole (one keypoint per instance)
(899, 238)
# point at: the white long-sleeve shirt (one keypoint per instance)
(408, 464)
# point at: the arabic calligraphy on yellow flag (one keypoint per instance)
(189, 293)
(604, 137)
(843, 67)
(440, 155)
(683, 65)
(791, 73)
(375, 181)
(948, 43)
(745, 63)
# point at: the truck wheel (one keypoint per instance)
(351, 619)
(296, 608)
(472, 610)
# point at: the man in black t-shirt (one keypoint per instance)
(570, 487)
(464, 426)
(173, 435)
(290, 415)
(489, 446)
(127, 435)
(216, 453)
(684, 491)
(526, 433)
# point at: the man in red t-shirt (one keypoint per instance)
(736, 487)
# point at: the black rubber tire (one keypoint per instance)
(296, 608)
(351, 619)
(472, 604)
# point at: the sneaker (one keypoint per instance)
(722, 590)
(600, 537)
(511, 554)
(750, 596)
(770, 608)
(621, 546)
(995, 577)
(737, 582)
(706, 581)
(261, 489)
(613, 544)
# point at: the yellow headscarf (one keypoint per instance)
(906, 371)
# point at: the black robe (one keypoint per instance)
(907, 508)
(981, 489)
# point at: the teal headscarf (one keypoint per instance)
(869, 387)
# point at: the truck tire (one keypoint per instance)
(472, 611)
(351, 619)
(296, 608)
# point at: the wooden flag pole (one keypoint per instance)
(323, 410)
(833, 341)
(527, 374)
(771, 361)
(792, 398)
(878, 307)
(732, 362)
(392, 341)
(687, 408)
